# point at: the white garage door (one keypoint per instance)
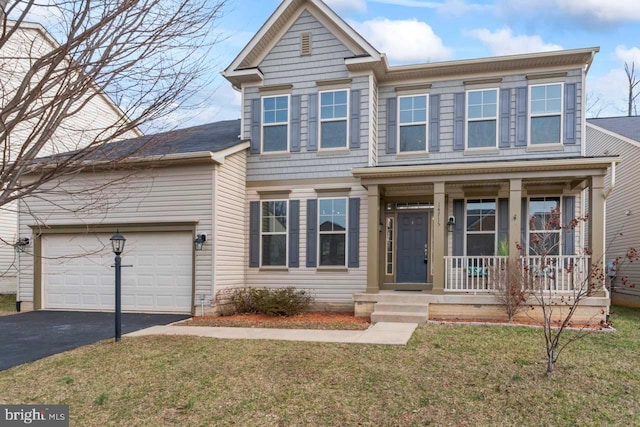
(77, 272)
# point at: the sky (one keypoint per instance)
(418, 31)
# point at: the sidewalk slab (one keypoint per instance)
(380, 333)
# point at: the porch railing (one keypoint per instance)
(486, 273)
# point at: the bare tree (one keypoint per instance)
(633, 83)
(594, 104)
(149, 56)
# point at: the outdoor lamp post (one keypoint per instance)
(117, 243)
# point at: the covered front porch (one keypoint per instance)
(448, 229)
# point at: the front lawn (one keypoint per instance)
(446, 375)
(7, 304)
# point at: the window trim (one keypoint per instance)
(393, 245)
(346, 119)
(286, 255)
(559, 231)
(346, 234)
(467, 120)
(495, 231)
(531, 115)
(263, 124)
(426, 125)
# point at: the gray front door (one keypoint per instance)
(412, 240)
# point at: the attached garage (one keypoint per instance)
(77, 273)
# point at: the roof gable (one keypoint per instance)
(280, 22)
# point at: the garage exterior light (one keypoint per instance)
(198, 243)
(117, 242)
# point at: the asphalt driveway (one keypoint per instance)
(26, 337)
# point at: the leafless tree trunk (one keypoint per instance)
(149, 56)
(633, 82)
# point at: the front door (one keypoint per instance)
(411, 247)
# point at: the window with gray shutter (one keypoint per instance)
(354, 125)
(312, 124)
(392, 118)
(312, 232)
(458, 121)
(434, 123)
(295, 123)
(254, 234)
(354, 232)
(294, 233)
(570, 109)
(256, 126)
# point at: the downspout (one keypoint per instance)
(18, 255)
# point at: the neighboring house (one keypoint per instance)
(29, 43)
(620, 136)
(387, 187)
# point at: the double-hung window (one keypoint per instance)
(273, 234)
(481, 227)
(546, 114)
(482, 118)
(545, 230)
(412, 121)
(275, 123)
(333, 119)
(332, 217)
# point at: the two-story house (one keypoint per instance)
(388, 187)
(364, 177)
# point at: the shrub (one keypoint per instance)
(273, 302)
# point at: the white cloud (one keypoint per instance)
(628, 55)
(579, 12)
(347, 5)
(610, 92)
(504, 42)
(456, 7)
(404, 41)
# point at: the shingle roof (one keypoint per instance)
(211, 137)
(625, 126)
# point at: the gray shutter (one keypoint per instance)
(570, 113)
(392, 124)
(295, 123)
(458, 228)
(312, 127)
(354, 125)
(458, 121)
(294, 233)
(434, 123)
(312, 232)
(523, 226)
(354, 233)
(254, 234)
(503, 222)
(521, 116)
(569, 234)
(505, 118)
(256, 131)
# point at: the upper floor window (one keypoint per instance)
(275, 123)
(482, 118)
(273, 233)
(333, 119)
(332, 232)
(412, 123)
(546, 114)
(481, 227)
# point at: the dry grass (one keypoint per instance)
(7, 304)
(446, 375)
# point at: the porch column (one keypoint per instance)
(515, 218)
(440, 237)
(373, 238)
(597, 205)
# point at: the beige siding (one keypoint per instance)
(8, 228)
(229, 216)
(174, 194)
(623, 204)
(324, 286)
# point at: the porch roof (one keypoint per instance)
(567, 166)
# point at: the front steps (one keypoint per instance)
(400, 312)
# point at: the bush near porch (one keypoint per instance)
(446, 375)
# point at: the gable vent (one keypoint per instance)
(305, 44)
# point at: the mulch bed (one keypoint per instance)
(314, 320)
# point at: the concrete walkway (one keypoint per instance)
(380, 333)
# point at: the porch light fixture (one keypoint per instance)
(22, 244)
(198, 243)
(451, 224)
